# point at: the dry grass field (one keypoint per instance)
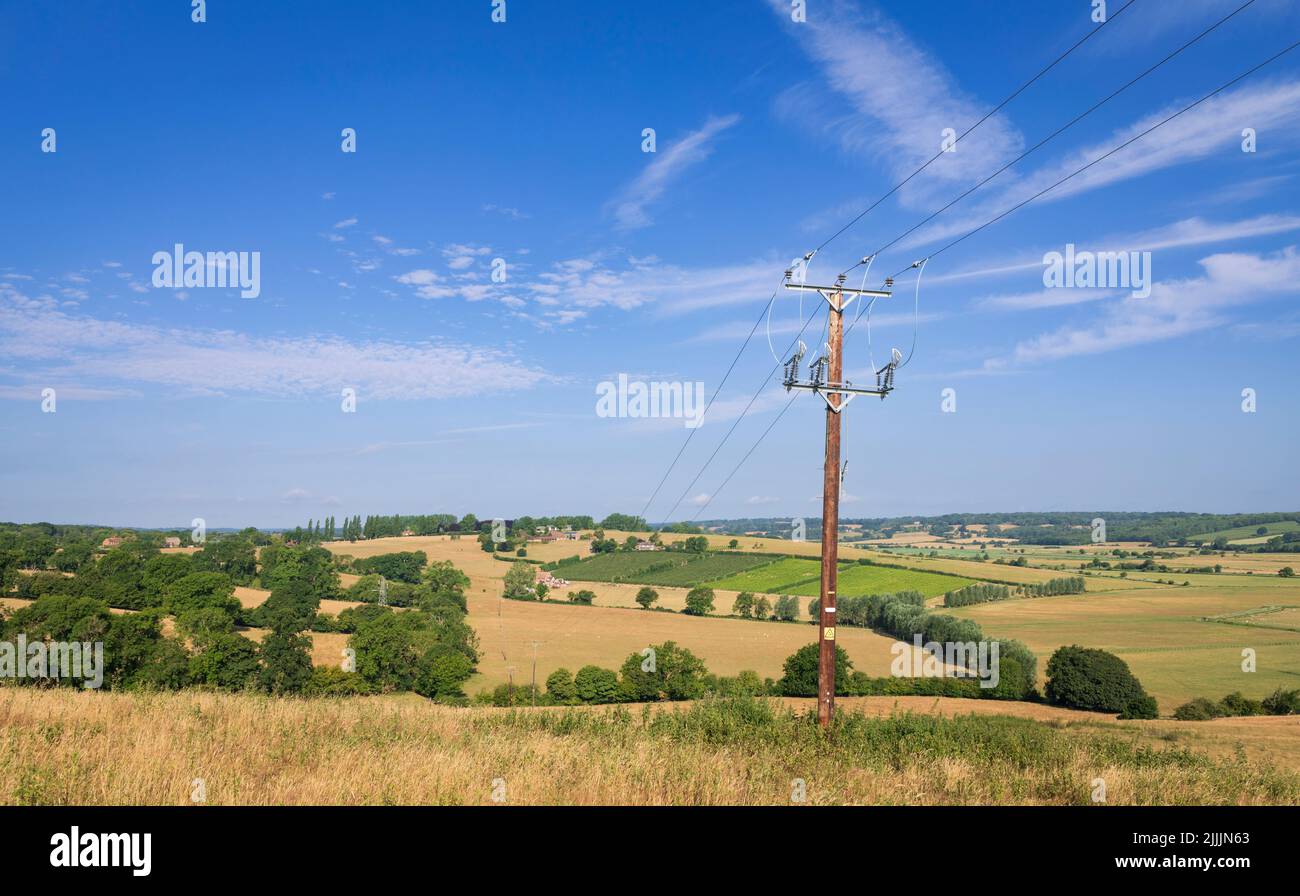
(64, 747)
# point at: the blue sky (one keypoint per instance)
(522, 141)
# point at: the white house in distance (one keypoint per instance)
(647, 546)
(550, 581)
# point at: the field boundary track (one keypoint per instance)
(1244, 618)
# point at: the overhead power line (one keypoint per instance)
(736, 468)
(995, 110)
(691, 434)
(1015, 93)
(1043, 192)
(1111, 152)
(1056, 133)
(741, 416)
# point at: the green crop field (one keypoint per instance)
(856, 579)
(660, 567)
(773, 578)
(620, 567)
(706, 569)
(803, 577)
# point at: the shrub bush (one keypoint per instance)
(1198, 710)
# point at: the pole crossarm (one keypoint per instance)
(848, 295)
(846, 391)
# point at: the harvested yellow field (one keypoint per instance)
(14, 603)
(575, 636)
(747, 543)
(326, 647)
(903, 538)
(974, 569)
(464, 551)
(621, 594)
(251, 597)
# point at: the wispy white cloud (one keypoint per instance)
(1272, 107)
(1043, 298)
(1182, 234)
(896, 99)
(63, 392)
(495, 427)
(93, 353)
(506, 212)
(629, 208)
(461, 257)
(1175, 308)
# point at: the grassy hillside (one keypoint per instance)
(74, 748)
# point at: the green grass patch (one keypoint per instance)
(857, 579)
(707, 569)
(621, 567)
(776, 577)
(669, 568)
(803, 577)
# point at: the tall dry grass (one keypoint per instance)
(66, 747)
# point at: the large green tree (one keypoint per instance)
(801, 667)
(699, 601)
(286, 662)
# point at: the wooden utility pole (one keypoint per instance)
(535, 646)
(830, 517)
(826, 377)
